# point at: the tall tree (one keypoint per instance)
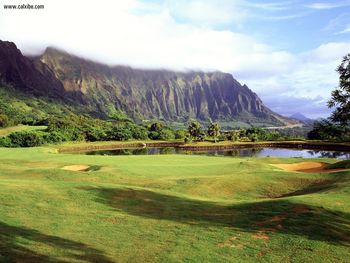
(341, 95)
(195, 129)
(214, 130)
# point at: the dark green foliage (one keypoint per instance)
(260, 134)
(139, 132)
(22, 108)
(26, 139)
(233, 135)
(166, 135)
(214, 130)
(340, 165)
(195, 130)
(253, 137)
(327, 130)
(4, 120)
(273, 136)
(154, 135)
(180, 134)
(156, 127)
(120, 116)
(79, 128)
(54, 137)
(341, 96)
(5, 142)
(257, 134)
(95, 134)
(119, 133)
(159, 131)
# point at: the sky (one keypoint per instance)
(285, 51)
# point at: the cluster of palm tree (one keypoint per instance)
(196, 133)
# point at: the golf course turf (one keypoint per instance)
(169, 208)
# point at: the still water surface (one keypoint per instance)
(248, 152)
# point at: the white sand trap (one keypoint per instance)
(307, 167)
(77, 167)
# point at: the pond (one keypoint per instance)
(247, 152)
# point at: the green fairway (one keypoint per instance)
(169, 208)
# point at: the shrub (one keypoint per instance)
(180, 134)
(166, 135)
(233, 136)
(119, 134)
(54, 137)
(139, 133)
(26, 139)
(253, 137)
(95, 134)
(156, 127)
(4, 121)
(154, 135)
(5, 142)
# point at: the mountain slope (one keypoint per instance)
(102, 90)
(158, 94)
(300, 117)
(29, 75)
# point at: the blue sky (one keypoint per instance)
(285, 51)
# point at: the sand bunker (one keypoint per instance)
(77, 167)
(307, 167)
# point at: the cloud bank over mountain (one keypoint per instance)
(253, 41)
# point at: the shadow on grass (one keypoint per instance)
(334, 182)
(278, 215)
(13, 248)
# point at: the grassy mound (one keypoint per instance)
(340, 165)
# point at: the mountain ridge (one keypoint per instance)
(139, 93)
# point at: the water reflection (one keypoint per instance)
(331, 154)
(248, 152)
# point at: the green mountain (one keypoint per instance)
(102, 91)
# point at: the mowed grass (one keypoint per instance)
(169, 208)
(6, 131)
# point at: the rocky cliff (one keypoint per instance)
(29, 75)
(141, 94)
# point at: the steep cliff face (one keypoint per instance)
(102, 90)
(29, 75)
(157, 94)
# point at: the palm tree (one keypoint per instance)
(195, 129)
(214, 130)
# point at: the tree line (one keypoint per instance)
(83, 128)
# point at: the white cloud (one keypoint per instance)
(311, 79)
(207, 12)
(128, 32)
(346, 30)
(329, 5)
(269, 6)
(339, 25)
(112, 33)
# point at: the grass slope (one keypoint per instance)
(168, 208)
(6, 131)
(340, 165)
